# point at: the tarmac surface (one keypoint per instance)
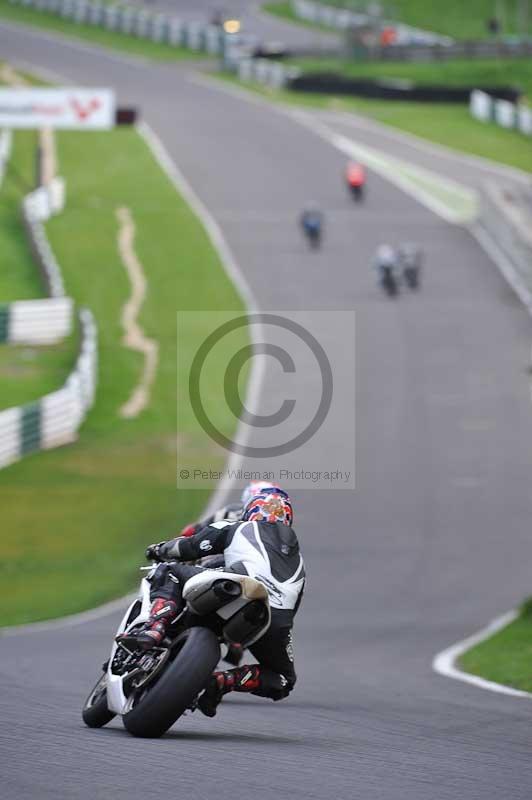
(434, 541)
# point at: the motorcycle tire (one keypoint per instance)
(175, 691)
(391, 288)
(95, 712)
(412, 279)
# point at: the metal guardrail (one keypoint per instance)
(266, 72)
(6, 139)
(133, 21)
(37, 207)
(486, 108)
(36, 322)
(344, 19)
(55, 419)
(466, 51)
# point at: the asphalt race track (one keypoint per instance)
(433, 543)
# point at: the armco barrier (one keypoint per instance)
(486, 108)
(5, 151)
(343, 18)
(37, 207)
(36, 322)
(436, 52)
(266, 72)
(55, 419)
(46, 321)
(134, 21)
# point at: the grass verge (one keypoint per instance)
(490, 72)
(505, 657)
(76, 520)
(88, 33)
(457, 19)
(448, 124)
(284, 11)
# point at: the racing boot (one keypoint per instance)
(153, 631)
(242, 679)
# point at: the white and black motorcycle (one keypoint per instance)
(152, 689)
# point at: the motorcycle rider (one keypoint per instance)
(410, 257)
(385, 262)
(355, 176)
(232, 511)
(263, 545)
(312, 224)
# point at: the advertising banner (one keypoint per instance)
(69, 108)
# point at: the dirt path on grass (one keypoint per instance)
(134, 337)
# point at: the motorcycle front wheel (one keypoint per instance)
(95, 711)
(154, 709)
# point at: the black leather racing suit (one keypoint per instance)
(266, 551)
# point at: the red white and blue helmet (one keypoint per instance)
(269, 507)
(255, 488)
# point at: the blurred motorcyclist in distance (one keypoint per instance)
(262, 545)
(410, 258)
(385, 263)
(311, 221)
(355, 176)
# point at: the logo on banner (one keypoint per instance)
(84, 111)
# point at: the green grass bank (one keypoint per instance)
(456, 19)
(505, 657)
(443, 123)
(76, 520)
(491, 72)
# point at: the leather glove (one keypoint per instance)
(155, 552)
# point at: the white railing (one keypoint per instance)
(5, 151)
(343, 18)
(55, 419)
(133, 21)
(37, 322)
(266, 72)
(486, 108)
(37, 207)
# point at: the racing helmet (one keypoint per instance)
(254, 488)
(269, 507)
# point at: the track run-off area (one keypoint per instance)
(432, 544)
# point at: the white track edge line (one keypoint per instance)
(236, 276)
(444, 663)
(503, 263)
(356, 118)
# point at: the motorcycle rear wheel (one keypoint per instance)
(157, 707)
